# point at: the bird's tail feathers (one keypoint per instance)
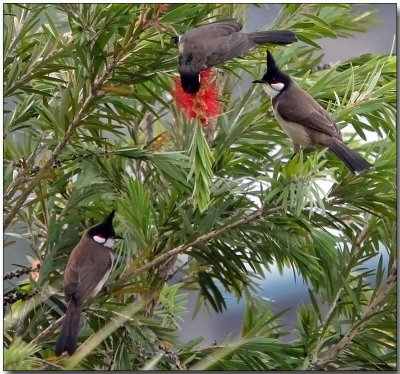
(273, 37)
(351, 159)
(69, 330)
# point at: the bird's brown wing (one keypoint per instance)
(228, 47)
(215, 29)
(207, 45)
(300, 107)
(87, 265)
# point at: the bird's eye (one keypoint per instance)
(274, 81)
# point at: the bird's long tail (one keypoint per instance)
(69, 330)
(351, 159)
(273, 37)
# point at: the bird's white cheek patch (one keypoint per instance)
(270, 91)
(109, 243)
(99, 239)
(277, 86)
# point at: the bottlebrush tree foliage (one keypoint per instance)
(90, 124)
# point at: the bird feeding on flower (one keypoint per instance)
(205, 103)
(206, 46)
(214, 43)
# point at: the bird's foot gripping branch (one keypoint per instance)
(202, 105)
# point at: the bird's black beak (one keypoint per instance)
(117, 237)
(258, 81)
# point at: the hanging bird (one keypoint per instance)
(88, 268)
(303, 119)
(214, 43)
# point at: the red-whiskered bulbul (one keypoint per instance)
(303, 119)
(209, 45)
(88, 268)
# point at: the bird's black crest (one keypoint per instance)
(104, 228)
(273, 73)
(110, 217)
(272, 68)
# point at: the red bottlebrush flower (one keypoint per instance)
(204, 121)
(202, 105)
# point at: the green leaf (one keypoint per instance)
(201, 159)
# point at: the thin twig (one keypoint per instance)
(22, 172)
(184, 247)
(357, 247)
(179, 269)
(94, 91)
(48, 330)
(373, 307)
(42, 172)
(169, 353)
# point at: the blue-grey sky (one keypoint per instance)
(378, 40)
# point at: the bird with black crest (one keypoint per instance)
(86, 272)
(303, 119)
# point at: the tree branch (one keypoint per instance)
(373, 307)
(356, 250)
(201, 239)
(94, 91)
(48, 330)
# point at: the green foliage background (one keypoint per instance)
(85, 97)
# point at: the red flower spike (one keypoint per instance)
(204, 121)
(202, 105)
